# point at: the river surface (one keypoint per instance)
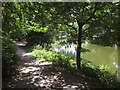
(100, 55)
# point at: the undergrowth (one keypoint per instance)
(9, 58)
(66, 61)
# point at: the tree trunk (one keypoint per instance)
(79, 43)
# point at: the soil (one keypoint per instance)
(36, 74)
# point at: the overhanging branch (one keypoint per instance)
(71, 26)
(91, 16)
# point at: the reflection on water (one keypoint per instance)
(68, 49)
(115, 64)
(99, 55)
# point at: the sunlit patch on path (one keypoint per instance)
(43, 75)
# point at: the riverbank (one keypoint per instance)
(40, 73)
(104, 56)
(64, 60)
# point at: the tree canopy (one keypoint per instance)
(96, 22)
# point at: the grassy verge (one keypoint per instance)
(63, 60)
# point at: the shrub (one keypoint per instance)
(88, 67)
(52, 56)
(9, 58)
(100, 72)
(42, 38)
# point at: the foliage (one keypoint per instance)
(82, 21)
(10, 30)
(96, 17)
(44, 39)
(11, 20)
(9, 58)
(106, 31)
(100, 72)
(48, 19)
(54, 57)
(63, 60)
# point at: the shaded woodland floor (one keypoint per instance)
(34, 73)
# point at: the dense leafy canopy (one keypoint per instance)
(41, 23)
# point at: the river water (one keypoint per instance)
(99, 55)
(102, 55)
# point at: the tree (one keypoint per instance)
(95, 16)
(106, 33)
(10, 28)
(85, 18)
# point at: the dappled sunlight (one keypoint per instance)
(26, 54)
(49, 77)
(37, 63)
(29, 69)
(34, 73)
(60, 46)
(23, 43)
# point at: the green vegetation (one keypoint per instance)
(9, 58)
(9, 31)
(41, 23)
(42, 38)
(56, 58)
(66, 61)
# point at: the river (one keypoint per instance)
(102, 55)
(99, 55)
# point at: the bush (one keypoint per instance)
(52, 56)
(42, 38)
(100, 72)
(9, 58)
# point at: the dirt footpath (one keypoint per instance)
(45, 76)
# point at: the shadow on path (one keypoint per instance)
(45, 76)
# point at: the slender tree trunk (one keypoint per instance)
(79, 43)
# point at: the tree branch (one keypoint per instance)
(71, 26)
(93, 12)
